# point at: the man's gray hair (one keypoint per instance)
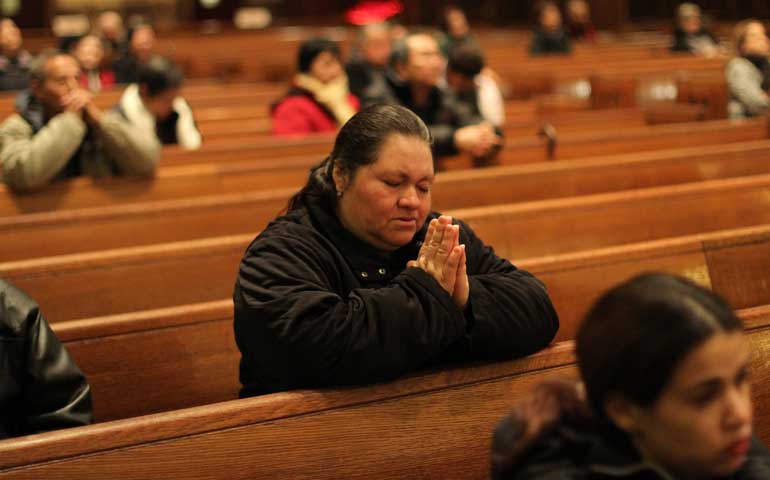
(37, 66)
(399, 54)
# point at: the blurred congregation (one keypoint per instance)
(385, 239)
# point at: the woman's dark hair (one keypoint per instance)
(635, 336)
(311, 48)
(358, 143)
(158, 75)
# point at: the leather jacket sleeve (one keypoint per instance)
(42, 388)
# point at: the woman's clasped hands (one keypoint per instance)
(442, 257)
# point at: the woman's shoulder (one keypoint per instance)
(291, 228)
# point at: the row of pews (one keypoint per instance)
(135, 275)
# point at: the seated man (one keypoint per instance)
(58, 132)
(549, 36)
(369, 66)
(153, 105)
(418, 66)
(690, 35)
(578, 22)
(14, 60)
(473, 87)
(41, 388)
(140, 49)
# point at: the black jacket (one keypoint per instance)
(583, 449)
(443, 113)
(545, 43)
(316, 307)
(14, 72)
(683, 42)
(41, 388)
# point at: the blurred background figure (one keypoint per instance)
(14, 60)
(455, 30)
(578, 21)
(748, 73)
(141, 47)
(319, 99)
(418, 69)
(369, 64)
(41, 387)
(89, 52)
(690, 35)
(109, 26)
(549, 36)
(154, 105)
(473, 87)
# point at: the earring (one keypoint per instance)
(339, 194)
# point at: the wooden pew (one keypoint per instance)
(551, 226)
(520, 150)
(186, 355)
(427, 426)
(164, 275)
(637, 139)
(453, 189)
(194, 342)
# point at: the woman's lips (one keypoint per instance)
(739, 448)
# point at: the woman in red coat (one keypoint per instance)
(89, 52)
(319, 100)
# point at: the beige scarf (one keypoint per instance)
(332, 95)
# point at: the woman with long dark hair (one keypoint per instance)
(665, 395)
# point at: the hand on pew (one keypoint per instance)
(479, 140)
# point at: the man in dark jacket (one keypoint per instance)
(690, 35)
(418, 66)
(41, 388)
(549, 36)
(141, 48)
(14, 60)
(368, 67)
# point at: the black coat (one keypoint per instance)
(682, 42)
(442, 113)
(582, 450)
(41, 388)
(316, 307)
(545, 43)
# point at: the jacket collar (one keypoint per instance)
(609, 453)
(31, 110)
(368, 262)
(403, 93)
(132, 107)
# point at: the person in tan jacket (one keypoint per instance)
(58, 132)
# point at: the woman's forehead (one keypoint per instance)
(721, 356)
(406, 154)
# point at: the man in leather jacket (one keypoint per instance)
(41, 388)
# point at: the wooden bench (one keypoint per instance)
(531, 228)
(186, 356)
(521, 150)
(452, 190)
(163, 275)
(427, 426)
